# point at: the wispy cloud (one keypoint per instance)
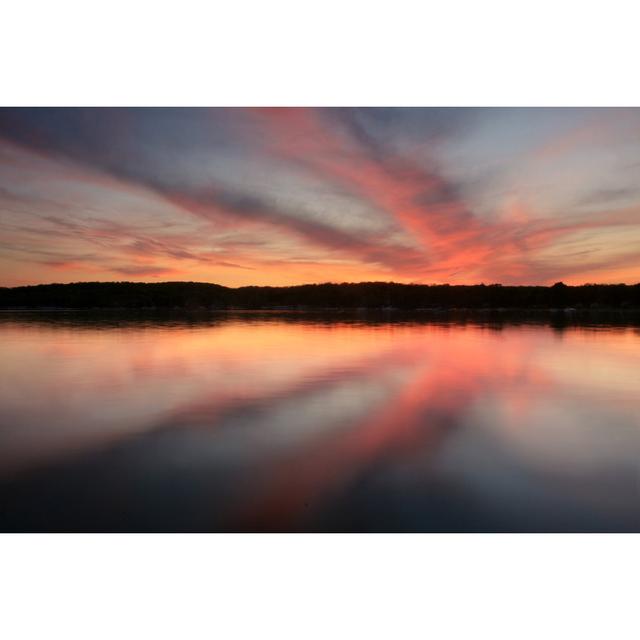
(389, 163)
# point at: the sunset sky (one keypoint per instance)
(290, 196)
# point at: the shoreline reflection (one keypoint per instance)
(264, 423)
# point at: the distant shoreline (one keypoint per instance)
(364, 297)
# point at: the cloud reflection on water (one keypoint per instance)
(264, 424)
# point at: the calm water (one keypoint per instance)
(259, 423)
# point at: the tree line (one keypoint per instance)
(369, 295)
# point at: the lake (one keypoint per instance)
(288, 422)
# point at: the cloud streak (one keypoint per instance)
(428, 205)
(211, 168)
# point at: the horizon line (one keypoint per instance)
(326, 282)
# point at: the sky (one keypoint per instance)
(284, 196)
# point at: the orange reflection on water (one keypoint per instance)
(299, 410)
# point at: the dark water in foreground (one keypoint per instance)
(267, 423)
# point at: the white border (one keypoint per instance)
(319, 587)
(334, 52)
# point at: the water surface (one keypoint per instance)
(255, 422)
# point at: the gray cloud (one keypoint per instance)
(126, 144)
